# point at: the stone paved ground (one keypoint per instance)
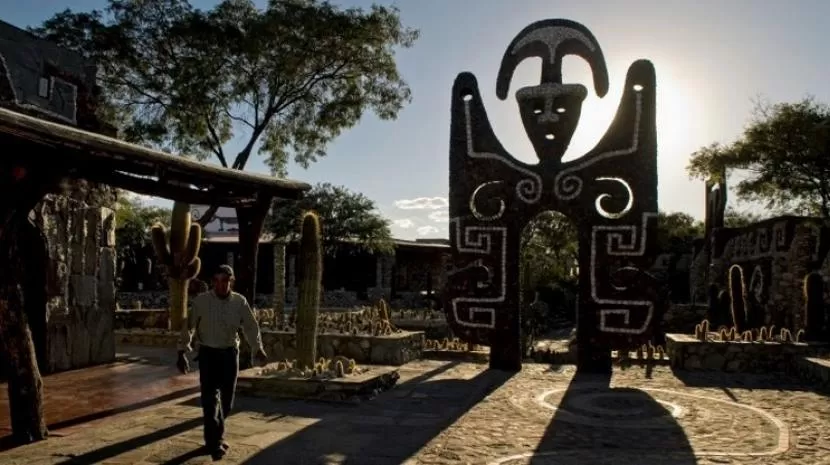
(458, 413)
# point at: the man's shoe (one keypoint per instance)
(218, 453)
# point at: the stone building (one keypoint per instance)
(410, 277)
(775, 255)
(39, 79)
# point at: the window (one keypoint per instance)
(43, 88)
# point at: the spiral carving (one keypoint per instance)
(568, 186)
(628, 206)
(473, 200)
(529, 190)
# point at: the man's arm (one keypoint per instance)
(250, 327)
(186, 338)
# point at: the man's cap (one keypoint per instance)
(224, 269)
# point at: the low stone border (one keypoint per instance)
(357, 387)
(432, 329)
(688, 353)
(395, 349)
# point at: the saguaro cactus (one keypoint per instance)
(308, 292)
(178, 251)
(814, 307)
(737, 295)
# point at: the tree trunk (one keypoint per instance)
(250, 220)
(19, 360)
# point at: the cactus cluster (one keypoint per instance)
(368, 321)
(178, 251)
(418, 314)
(454, 344)
(702, 331)
(761, 335)
(337, 367)
(309, 290)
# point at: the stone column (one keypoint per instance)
(383, 278)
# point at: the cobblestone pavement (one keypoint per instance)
(459, 413)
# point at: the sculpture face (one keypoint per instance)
(550, 113)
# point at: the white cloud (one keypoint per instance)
(440, 216)
(422, 203)
(405, 223)
(426, 230)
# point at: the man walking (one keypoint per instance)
(215, 318)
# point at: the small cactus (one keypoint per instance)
(737, 297)
(799, 335)
(724, 335)
(339, 370)
(762, 334)
(786, 335)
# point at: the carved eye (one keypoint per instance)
(537, 111)
(550, 136)
(560, 110)
(637, 87)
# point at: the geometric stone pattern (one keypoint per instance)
(451, 413)
(610, 193)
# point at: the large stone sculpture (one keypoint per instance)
(610, 193)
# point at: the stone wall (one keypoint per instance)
(80, 282)
(396, 349)
(688, 353)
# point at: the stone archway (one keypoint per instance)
(610, 193)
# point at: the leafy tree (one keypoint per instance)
(550, 249)
(783, 157)
(345, 216)
(738, 219)
(676, 231)
(133, 220)
(284, 80)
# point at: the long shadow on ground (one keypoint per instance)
(725, 381)
(602, 425)
(387, 430)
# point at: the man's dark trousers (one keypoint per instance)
(218, 371)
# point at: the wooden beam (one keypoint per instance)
(76, 147)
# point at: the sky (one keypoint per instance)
(712, 58)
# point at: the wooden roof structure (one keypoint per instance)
(80, 154)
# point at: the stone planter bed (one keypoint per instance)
(352, 388)
(395, 349)
(813, 369)
(432, 329)
(473, 356)
(688, 353)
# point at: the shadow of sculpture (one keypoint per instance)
(595, 423)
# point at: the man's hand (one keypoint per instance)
(182, 364)
(261, 357)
